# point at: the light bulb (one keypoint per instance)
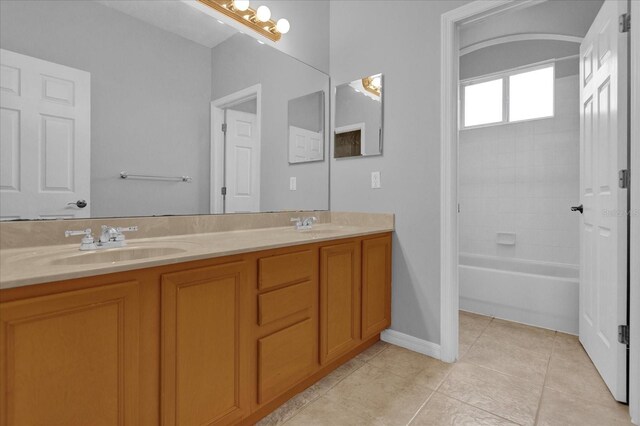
(376, 82)
(263, 13)
(241, 5)
(283, 26)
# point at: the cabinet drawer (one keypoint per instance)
(285, 358)
(285, 268)
(278, 304)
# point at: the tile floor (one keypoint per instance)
(508, 374)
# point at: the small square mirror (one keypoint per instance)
(358, 119)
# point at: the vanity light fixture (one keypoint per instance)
(258, 20)
(373, 84)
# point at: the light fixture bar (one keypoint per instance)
(246, 17)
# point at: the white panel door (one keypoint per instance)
(603, 145)
(242, 163)
(304, 145)
(45, 138)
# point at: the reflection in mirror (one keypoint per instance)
(358, 118)
(108, 108)
(306, 128)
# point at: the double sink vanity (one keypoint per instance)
(219, 321)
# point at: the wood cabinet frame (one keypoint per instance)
(151, 334)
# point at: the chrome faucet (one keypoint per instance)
(304, 223)
(110, 237)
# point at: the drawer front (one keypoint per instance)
(287, 268)
(279, 304)
(285, 358)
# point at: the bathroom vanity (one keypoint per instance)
(221, 331)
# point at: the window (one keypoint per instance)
(483, 103)
(510, 97)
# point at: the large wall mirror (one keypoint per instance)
(140, 108)
(358, 117)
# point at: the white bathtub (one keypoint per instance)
(536, 293)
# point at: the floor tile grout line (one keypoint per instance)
(478, 408)
(433, 392)
(299, 410)
(544, 382)
(474, 340)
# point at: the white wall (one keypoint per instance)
(523, 178)
(240, 62)
(150, 95)
(400, 39)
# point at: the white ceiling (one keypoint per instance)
(176, 16)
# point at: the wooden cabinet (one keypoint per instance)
(339, 299)
(376, 285)
(211, 342)
(286, 328)
(71, 358)
(204, 351)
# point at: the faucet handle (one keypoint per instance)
(126, 229)
(85, 232)
(88, 243)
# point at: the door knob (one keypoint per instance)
(577, 209)
(81, 204)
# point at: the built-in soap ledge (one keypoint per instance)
(506, 238)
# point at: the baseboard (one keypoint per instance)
(412, 343)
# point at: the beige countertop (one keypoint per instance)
(35, 265)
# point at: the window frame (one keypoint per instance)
(506, 95)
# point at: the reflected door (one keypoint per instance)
(242, 163)
(45, 139)
(603, 146)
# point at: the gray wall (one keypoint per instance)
(239, 62)
(568, 17)
(520, 53)
(405, 47)
(306, 112)
(308, 39)
(150, 96)
(352, 108)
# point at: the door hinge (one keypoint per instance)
(624, 178)
(224, 127)
(623, 334)
(223, 190)
(624, 23)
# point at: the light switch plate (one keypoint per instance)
(292, 183)
(375, 180)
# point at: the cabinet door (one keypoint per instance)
(71, 358)
(204, 367)
(285, 358)
(376, 285)
(339, 299)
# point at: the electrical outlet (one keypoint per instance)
(375, 180)
(292, 183)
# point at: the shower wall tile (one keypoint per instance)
(523, 178)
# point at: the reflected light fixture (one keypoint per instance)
(241, 5)
(263, 14)
(258, 20)
(373, 84)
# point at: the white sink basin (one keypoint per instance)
(116, 255)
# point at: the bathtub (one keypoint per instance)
(536, 293)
